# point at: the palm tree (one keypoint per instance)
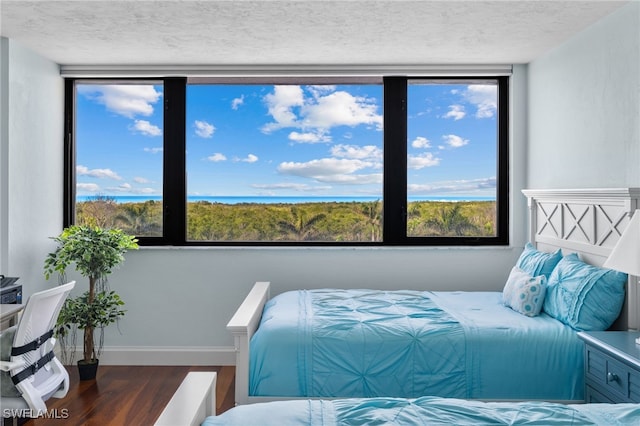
(373, 214)
(452, 222)
(138, 219)
(299, 226)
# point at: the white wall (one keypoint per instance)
(4, 154)
(180, 299)
(31, 160)
(584, 108)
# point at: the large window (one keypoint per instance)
(388, 161)
(284, 163)
(119, 155)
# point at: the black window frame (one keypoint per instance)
(394, 229)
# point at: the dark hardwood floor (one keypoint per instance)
(128, 395)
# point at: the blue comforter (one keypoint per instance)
(363, 343)
(424, 411)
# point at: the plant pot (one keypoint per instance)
(88, 370)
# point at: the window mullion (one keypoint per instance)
(69, 216)
(395, 160)
(174, 185)
(502, 214)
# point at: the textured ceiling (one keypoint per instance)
(295, 32)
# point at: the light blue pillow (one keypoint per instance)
(524, 293)
(537, 262)
(583, 296)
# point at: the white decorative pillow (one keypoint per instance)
(524, 293)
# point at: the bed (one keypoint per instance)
(192, 405)
(425, 411)
(336, 343)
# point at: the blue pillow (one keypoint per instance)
(537, 262)
(583, 296)
(524, 293)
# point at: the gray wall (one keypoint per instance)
(584, 108)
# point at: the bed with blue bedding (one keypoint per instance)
(364, 343)
(424, 411)
(518, 344)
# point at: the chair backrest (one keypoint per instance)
(41, 313)
(38, 318)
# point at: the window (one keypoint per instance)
(374, 161)
(451, 157)
(284, 162)
(118, 149)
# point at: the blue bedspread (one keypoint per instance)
(363, 343)
(424, 411)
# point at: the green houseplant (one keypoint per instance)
(95, 252)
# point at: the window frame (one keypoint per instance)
(394, 193)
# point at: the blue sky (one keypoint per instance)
(286, 140)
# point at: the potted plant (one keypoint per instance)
(95, 251)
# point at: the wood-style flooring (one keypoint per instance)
(128, 395)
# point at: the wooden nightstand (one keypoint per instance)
(611, 366)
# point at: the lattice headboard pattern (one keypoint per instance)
(588, 222)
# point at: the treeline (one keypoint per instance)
(322, 221)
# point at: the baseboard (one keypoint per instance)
(173, 355)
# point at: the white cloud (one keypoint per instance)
(139, 179)
(321, 167)
(280, 104)
(146, 128)
(309, 137)
(456, 112)
(248, 159)
(126, 188)
(358, 152)
(484, 97)
(235, 104)
(301, 187)
(154, 150)
(341, 109)
(417, 162)
(217, 157)
(204, 129)
(421, 142)
(318, 90)
(321, 111)
(128, 100)
(354, 179)
(97, 173)
(468, 186)
(455, 141)
(334, 170)
(87, 187)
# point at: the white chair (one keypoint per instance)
(33, 368)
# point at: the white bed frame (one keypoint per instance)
(194, 400)
(588, 222)
(585, 221)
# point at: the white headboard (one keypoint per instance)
(588, 222)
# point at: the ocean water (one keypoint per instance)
(275, 199)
